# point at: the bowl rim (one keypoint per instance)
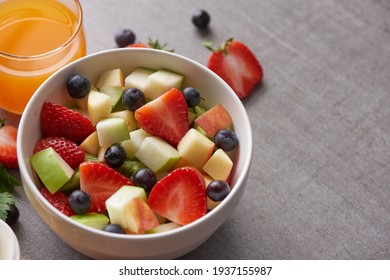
(23, 158)
(9, 234)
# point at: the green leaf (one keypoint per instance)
(6, 199)
(7, 182)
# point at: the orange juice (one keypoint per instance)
(37, 37)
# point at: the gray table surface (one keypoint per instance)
(319, 186)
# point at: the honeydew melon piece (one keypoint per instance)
(99, 106)
(157, 154)
(138, 136)
(127, 207)
(115, 93)
(53, 171)
(160, 82)
(90, 145)
(195, 148)
(94, 220)
(130, 148)
(113, 78)
(219, 165)
(112, 130)
(128, 116)
(138, 78)
(164, 227)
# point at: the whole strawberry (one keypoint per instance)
(57, 120)
(8, 155)
(236, 64)
(68, 150)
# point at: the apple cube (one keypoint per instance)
(53, 171)
(130, 147)
(157, 154)
(195, 148)
(164, 227)
(160, 82)
(213, 120)
(94, 220)
(138, 78)
(115, 93)
(128, 116)
(99, 106)
(127, 207)
(138, 136)
(219, 165)
(113, 78)
(90, 145)
(112, 130)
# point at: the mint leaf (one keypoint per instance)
(6, 199)
(7, 182)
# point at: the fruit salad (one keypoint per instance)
(137, 154)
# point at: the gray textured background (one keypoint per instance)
(319, 186)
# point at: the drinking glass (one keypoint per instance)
(37, 37)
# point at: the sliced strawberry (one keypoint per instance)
(180, 196)
(57, 120)
(59, 200)
(68, 150)
(166, 116)
(137, 45)
(100, 182)
(8, 155)
(235, 63)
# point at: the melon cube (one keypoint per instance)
(160, 82)
(112, 130)
(112, 78)
(99, 106)
(138, 78)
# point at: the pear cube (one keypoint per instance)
(157, 154)
(160, 82)
(99, 106)
(90, 145)
(138, 78)
(112, 130)
(128, 116)
(113, 78)
(219, 165)
(195, 148)
(114, 92)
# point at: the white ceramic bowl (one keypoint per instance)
(9, 245)
(102, 245)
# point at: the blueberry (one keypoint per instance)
(145, 178)
(78, 86)
(115, 155)
(192, 96)
(114, 228)
(226, 140)
(217, 190)
(124, 37)
(12, 214)
(133, 99)
(79, 201)
(201, 19)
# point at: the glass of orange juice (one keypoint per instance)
(37, 37)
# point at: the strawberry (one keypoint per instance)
(235, 63)
(59, 200)
(180, 196)
(166, 116)
(8, 155)
(68, 150)
(60, 121)
(100, 182)
(137, 45)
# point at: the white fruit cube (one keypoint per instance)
(113, 78)
(130, 148)
(127, 207)
(138, 78)
(164, 227)
(160, 82)
(53, 171)
(99, 106)
(195, 148)
(219, 165)
(128, 116)
(90, 145)
(112, 130)
(138, 136)
(115, 93)
(157, 154)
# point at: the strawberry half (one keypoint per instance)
(236, 64)
(8, 154)
(166, 116)
(57, 120)
(68, 150)
(100, 182)
(180, 196)
(59, 200)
